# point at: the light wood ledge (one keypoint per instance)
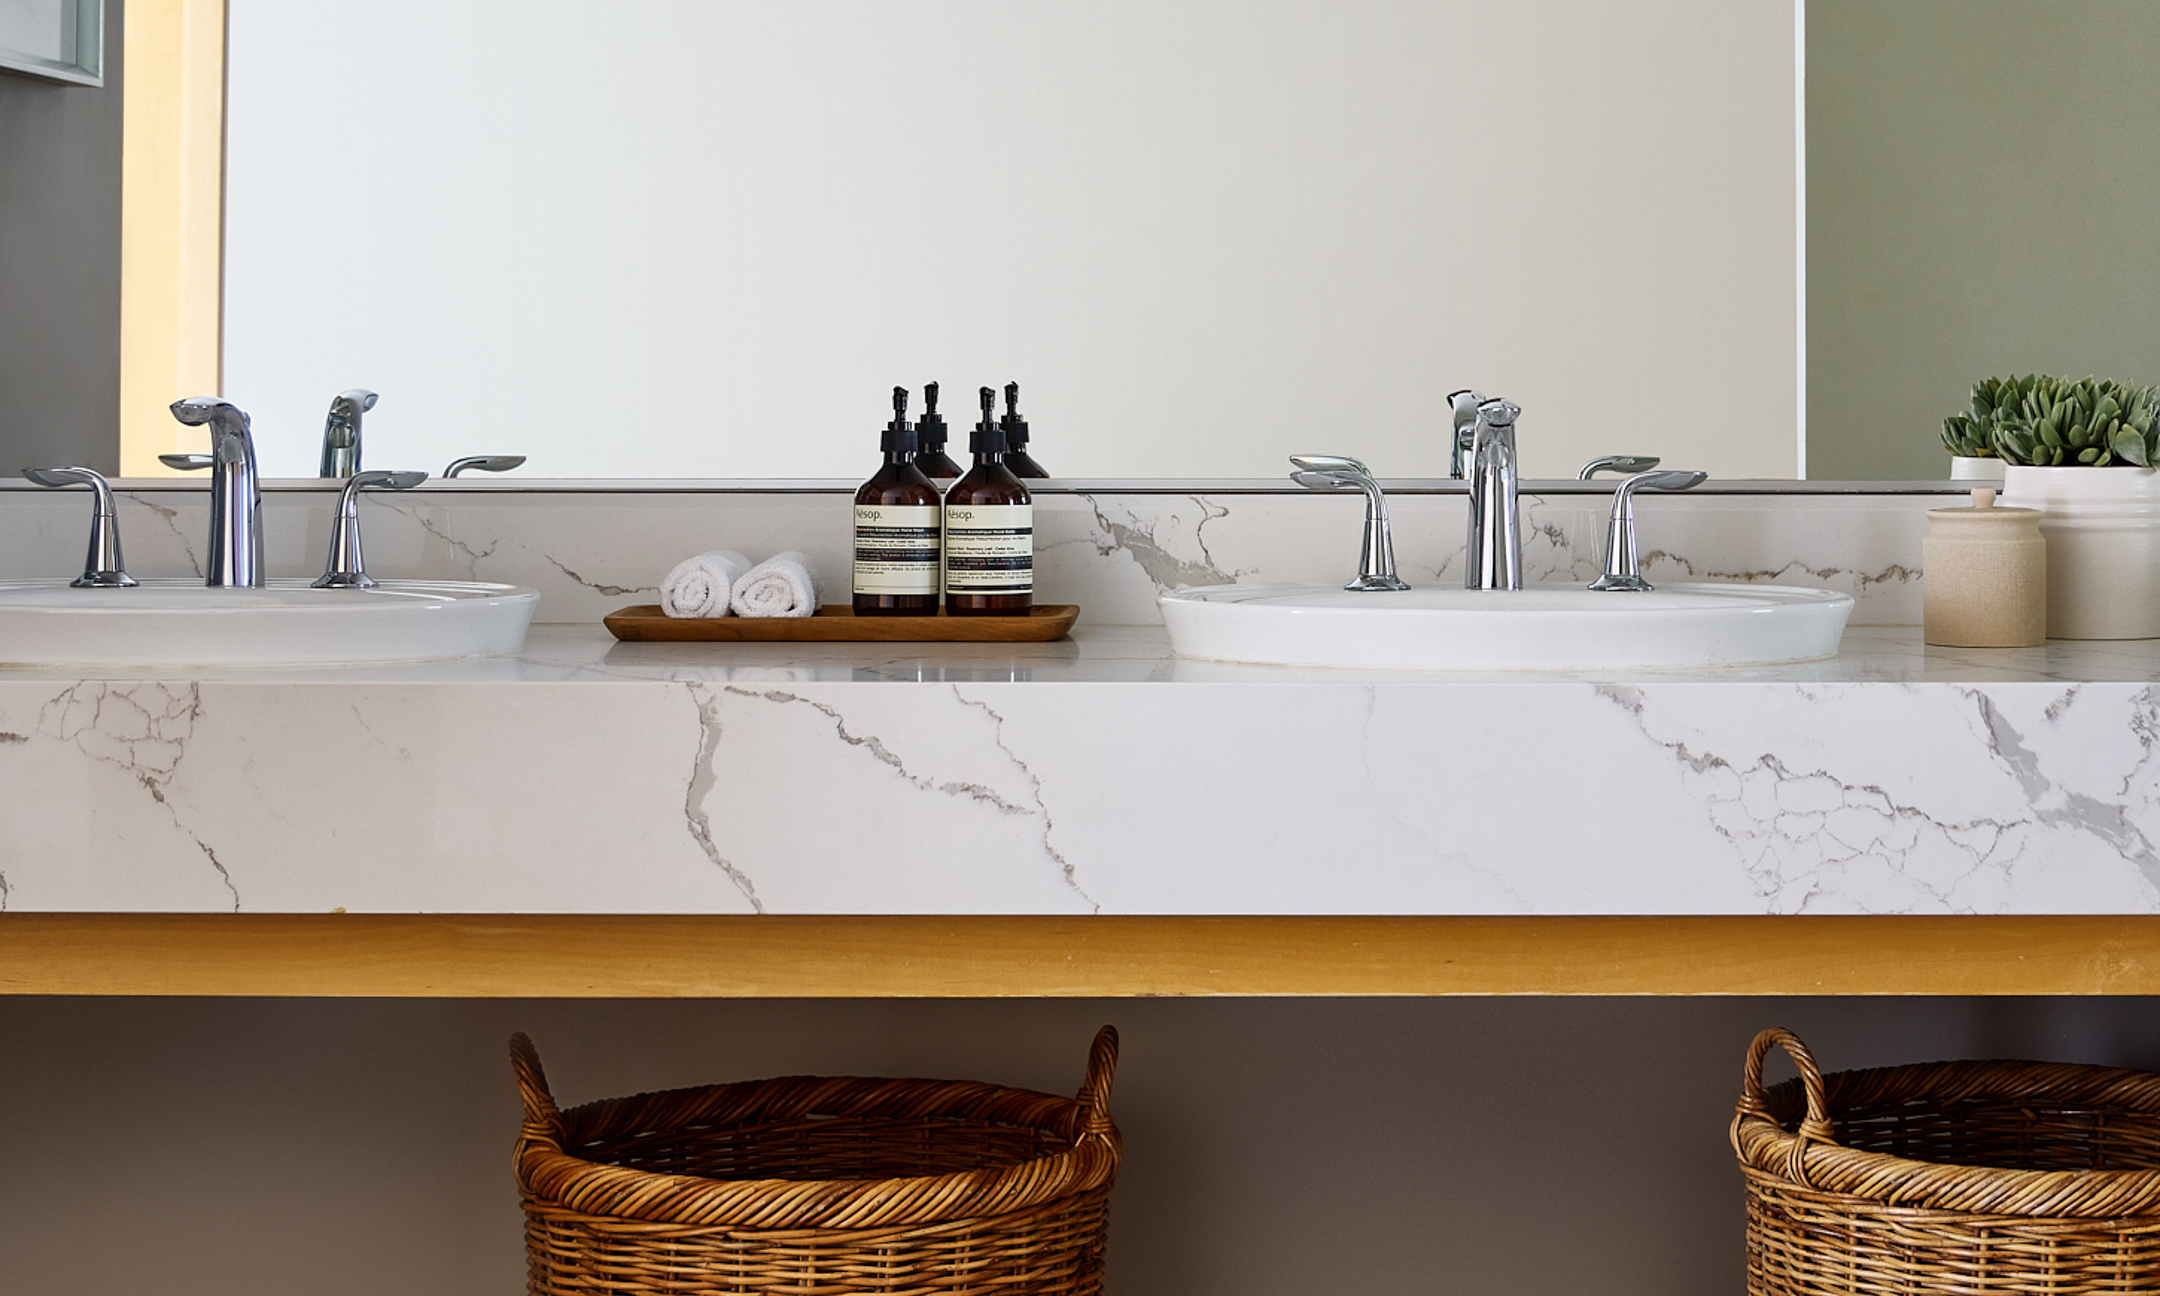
(582, 956)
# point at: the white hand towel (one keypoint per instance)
(702, 586)
(782, 585)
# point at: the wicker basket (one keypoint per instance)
(818, 1186)
(1964, 1177)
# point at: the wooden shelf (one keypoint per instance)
(586, 956)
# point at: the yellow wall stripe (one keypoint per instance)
(172, 196)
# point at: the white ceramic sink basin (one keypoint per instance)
(1546, 627)
(183, 623)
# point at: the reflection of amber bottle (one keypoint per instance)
(896, 529)
(1017, 459)
(930, 453)
(989, 530)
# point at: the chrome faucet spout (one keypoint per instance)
(1494, 546)
(235, 556)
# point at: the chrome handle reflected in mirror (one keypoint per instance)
(1622, 571)
(346, 568)
(1376, 556)
(341, 432)
(102, 568)
(1622, 464)
(484, 463)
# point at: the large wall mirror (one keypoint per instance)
(685, 238)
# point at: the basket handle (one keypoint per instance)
(542, 1120)
(1094, 1094)
(1815, 1126)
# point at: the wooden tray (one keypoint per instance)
(837, 622)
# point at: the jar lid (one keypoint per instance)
(1984, 512)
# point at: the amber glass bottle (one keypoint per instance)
(897, 517)
(1017, 459)
(989, 530)
(930, 453)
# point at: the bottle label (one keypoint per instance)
(990, 549)
(896, 548)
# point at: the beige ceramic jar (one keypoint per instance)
(1984, 576)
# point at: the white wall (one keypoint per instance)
(665, 237)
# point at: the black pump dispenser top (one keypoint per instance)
(899, 437)
(1016, 428)
(931, 431)
(988, 436)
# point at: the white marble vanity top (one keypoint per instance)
(1122, 654)
(583, 775)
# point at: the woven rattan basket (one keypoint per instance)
(1950, 1177)
(819, 1186)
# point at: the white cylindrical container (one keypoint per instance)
(1984, 577)
(1976, 468)
(2102, 527)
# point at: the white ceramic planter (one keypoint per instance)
(2102, 527)
(1976, 468)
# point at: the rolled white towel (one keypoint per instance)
(781, 586)
(702, 586)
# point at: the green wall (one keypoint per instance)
(1983, 195)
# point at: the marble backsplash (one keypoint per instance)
(591, 548)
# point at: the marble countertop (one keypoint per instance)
(773, 778)
(1117, 654)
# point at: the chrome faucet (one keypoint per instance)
(341, 433)
(235, 556)
(1376, 559)
(1464, 406)
(1623, 571)
(1494, 548)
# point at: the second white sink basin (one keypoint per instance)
(1548, 627)
(184, 623)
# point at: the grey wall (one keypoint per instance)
(1982, 180)
(60, 267)
(1502, 1147)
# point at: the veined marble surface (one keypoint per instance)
(1099, 775)
(591, 550)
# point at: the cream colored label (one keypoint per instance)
(989, 548)
(896, 548)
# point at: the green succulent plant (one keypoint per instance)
(2093, 422)
(1993, 401)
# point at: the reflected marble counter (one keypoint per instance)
(583, 775)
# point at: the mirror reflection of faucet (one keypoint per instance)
(483, 463)
(1376, 559)
(341, 432)
(1622, 464)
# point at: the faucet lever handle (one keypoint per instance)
(1623, 572)
(186, 462)
(102, 568)
(346, 567)
(1330, 464)
(1376, 558)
